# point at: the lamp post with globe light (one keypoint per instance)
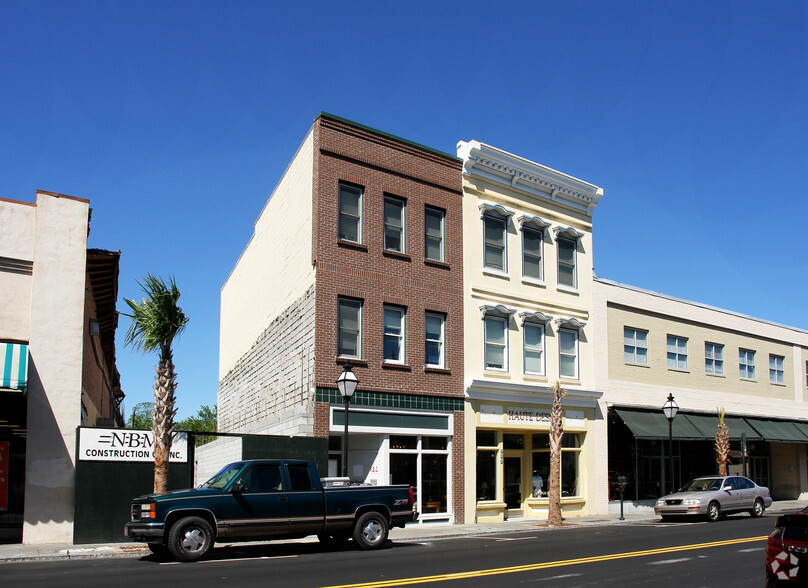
(346, 383)
(670, 408)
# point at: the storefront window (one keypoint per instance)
(510, 441)
(434, 483)
(570, 450)
(486, 438)
(541, 472)
(423, 463)
(486, 474)
(569, 473)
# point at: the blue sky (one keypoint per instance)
(177, 119)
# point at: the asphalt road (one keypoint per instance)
(727, 553)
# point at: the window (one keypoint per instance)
(677, 353)
(435, 336)
(532, 241)
(394, 329)
(570, 452)
(534, 348)
(568, 353)
(496, 343)
(424, 459)
(777, 369)
(487, 450)
(746, 364)
(350, 213)
(494, 230)
(262, 478)
(394, 224)
(349, 327)
(566, 261)
(299, 478)
(434, 228)
(714, 358)
(635, 345)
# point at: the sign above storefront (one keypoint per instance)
(525, 415)
(126, 445)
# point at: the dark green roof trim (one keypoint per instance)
(390, 400)
(388, 135)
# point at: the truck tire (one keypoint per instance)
(370, 531)
(190, 539)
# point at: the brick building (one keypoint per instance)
(356, 258)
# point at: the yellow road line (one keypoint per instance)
(549, 564)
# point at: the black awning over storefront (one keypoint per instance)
(652, 424)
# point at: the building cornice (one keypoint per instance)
(529, 394)
(514, 172)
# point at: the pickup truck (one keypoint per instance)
(259, 500)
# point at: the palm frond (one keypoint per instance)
(156, 319)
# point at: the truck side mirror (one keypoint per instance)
(237, 488)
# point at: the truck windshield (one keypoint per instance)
(226, 474)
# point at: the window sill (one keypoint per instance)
(714, 375)
(436, 263)
(535, 377)
(352, 245)
(496, 273)
(496, 373)
(534, 282)
(352, 360)
(396, 255)
(778, 384)
(639, 365)
(389, 365)
(750, 380)
(569, 380)
(567, 289)
(431, 369)
(679, 370)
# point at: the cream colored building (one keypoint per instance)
(528, 324)
(650, 346)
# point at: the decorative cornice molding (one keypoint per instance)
(494, 209)
(498, 310)
(534, 221)
(534, 317)
(529, 394)
(572, 323)
(512, 171)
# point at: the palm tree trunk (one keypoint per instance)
(163, 418)
(554, 518)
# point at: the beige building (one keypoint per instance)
(527, 312)
(57, 359)
(651, 346)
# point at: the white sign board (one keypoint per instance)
(528, 415)
(126, 445)
(491, 413)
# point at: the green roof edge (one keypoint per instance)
(388, 135)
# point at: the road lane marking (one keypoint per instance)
(547, 565)
(516, 538)
(204, 561)
(669, 561)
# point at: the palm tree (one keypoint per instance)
(156, 320)
(554, 518)
(722, 444)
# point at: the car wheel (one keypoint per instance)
(713, 512)
(190, 539)
(338, 540)
(757, 509)
(370, 531)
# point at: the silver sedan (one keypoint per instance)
(715, 496)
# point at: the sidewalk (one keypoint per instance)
(17, 552)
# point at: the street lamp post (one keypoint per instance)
(346, 383)
(670, 408)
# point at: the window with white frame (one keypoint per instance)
(494, 233)
(350, 213)
(635, 345)
(394, 334)
(349, 319)
(677, 353)
(777, 369)
(746, 364)
(435, 337)
(395, 224)
(435, 231)
(714, 359)
(532, 244)
(568, 353)
(567, 249)
(533, 334)
(496, 342)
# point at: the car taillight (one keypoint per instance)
(411, 495)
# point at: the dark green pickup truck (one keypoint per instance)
(259, 500)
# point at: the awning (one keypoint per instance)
(783, 431)
(13, 365)
(646, 424)
(708, 425)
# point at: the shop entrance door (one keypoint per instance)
(512, 480)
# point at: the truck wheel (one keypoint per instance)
(190, 539)
(370, 531)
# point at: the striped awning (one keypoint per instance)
(13, 366)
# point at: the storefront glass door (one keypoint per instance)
(513, 485)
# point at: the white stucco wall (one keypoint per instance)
(275, 268)
(55, 368)
(17, 231)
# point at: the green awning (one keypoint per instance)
(646, 424)
(782, 431)
(708, 425)
(13, 365)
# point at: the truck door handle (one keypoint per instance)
(283, 500)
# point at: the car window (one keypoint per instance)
(729, 484)
(715, 484)
(223, 476)
(262, 478)
(299, 476)
(745, 483)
